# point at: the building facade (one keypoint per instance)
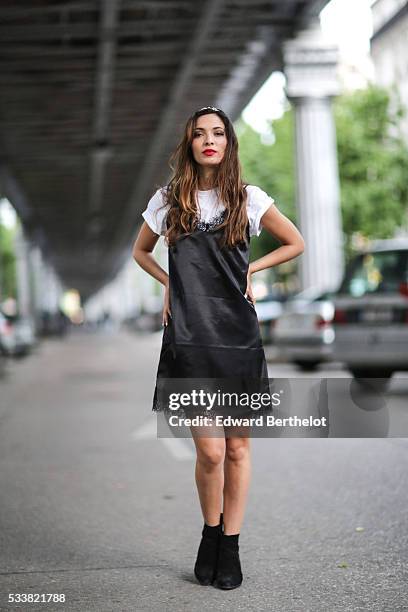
(389, 50)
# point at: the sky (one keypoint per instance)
(352, 35)
(7, 214)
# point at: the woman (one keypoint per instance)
(207, 216)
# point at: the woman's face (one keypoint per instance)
(209, 135)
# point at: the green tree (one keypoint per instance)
(373, 166)
(271, 167)
(7, 263)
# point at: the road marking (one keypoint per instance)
(147, 431)
(179, 448)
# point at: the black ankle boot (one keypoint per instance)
(228, 574)
(206, 563)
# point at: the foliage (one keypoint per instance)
(7, 263)
(271, 167)
(373, 166)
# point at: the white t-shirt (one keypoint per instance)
(258, 201)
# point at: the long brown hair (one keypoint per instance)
(181, 191)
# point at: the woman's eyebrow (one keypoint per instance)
(214, 128)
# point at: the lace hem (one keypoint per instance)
(205, 226)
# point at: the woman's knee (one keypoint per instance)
(211, 455)
(237, 449)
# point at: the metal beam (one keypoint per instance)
(223, 56)
(13, 13)
(57, 32)
(150, 48)
(167, 120)
(144, 28)
(42, 9)
(103, 100)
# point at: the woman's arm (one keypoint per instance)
(142, 253)
(286, 232)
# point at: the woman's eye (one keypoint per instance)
(199, 134)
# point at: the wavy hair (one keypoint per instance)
(181, 193)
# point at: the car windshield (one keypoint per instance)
(378, 272)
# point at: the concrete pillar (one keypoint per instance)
(38, 289)
(310, 67)
(1, 271)
(130, 290)
(24, 293)
(52, 290)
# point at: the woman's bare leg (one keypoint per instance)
(237, 474)
(209, 474)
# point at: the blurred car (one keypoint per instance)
(149, 321)
(17, 335)
(4, 331)
(6, 335)
(303, 333)
(268, 309)
(371, 312)
(54, 323)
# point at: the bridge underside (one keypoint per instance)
(94, 95)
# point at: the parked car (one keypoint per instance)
(54, 323)
(6, 332)
(371, 312)
(303, 333)
(268, 309)
(17, 335)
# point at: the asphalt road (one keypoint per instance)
(95, 507)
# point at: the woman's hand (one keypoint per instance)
(248, 293)
(166, 306)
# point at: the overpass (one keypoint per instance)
(95, 93)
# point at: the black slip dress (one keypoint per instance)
(213, 332)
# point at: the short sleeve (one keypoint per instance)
(155, 213)
(258, 203)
